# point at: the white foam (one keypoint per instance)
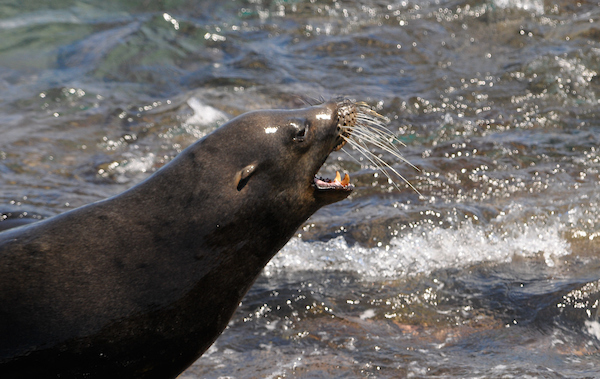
(369, 313)
(425, 249)
(204, 114)
(593, 328)
(537, 6)
(133, 165)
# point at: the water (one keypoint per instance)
(493, 272)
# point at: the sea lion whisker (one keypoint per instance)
(374, 118)
(380, 132)
(368, 120)
(381, 164)
(367, 138)
(382, 139)
(395, 153)
(377, 162)
(380, 127)
(377, 126)
(352, 156)
(371, 120)
(384, 145)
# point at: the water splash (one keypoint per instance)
(425, 249)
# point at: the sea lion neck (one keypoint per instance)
(213, 208)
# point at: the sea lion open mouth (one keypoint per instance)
(336, 184)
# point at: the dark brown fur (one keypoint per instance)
(141, 284)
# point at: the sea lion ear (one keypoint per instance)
(242, 177)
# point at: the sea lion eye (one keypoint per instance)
(301, 129)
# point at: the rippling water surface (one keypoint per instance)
(493, 272)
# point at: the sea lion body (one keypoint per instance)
(141, 284)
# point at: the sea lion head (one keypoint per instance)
(280, 152)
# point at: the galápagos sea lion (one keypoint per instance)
(141, 284)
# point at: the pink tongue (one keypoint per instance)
(338, 182)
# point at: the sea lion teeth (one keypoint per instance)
(337, 176)
(337, 184)
(346, 180)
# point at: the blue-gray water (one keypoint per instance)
(493, 273)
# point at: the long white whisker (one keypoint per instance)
(384, 145)
(351, 156)
(381, 165)
(384, 166)
(384, 134)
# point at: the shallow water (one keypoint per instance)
(493, 272)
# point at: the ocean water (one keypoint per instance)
(492, 270)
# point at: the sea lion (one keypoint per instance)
(141, 284)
